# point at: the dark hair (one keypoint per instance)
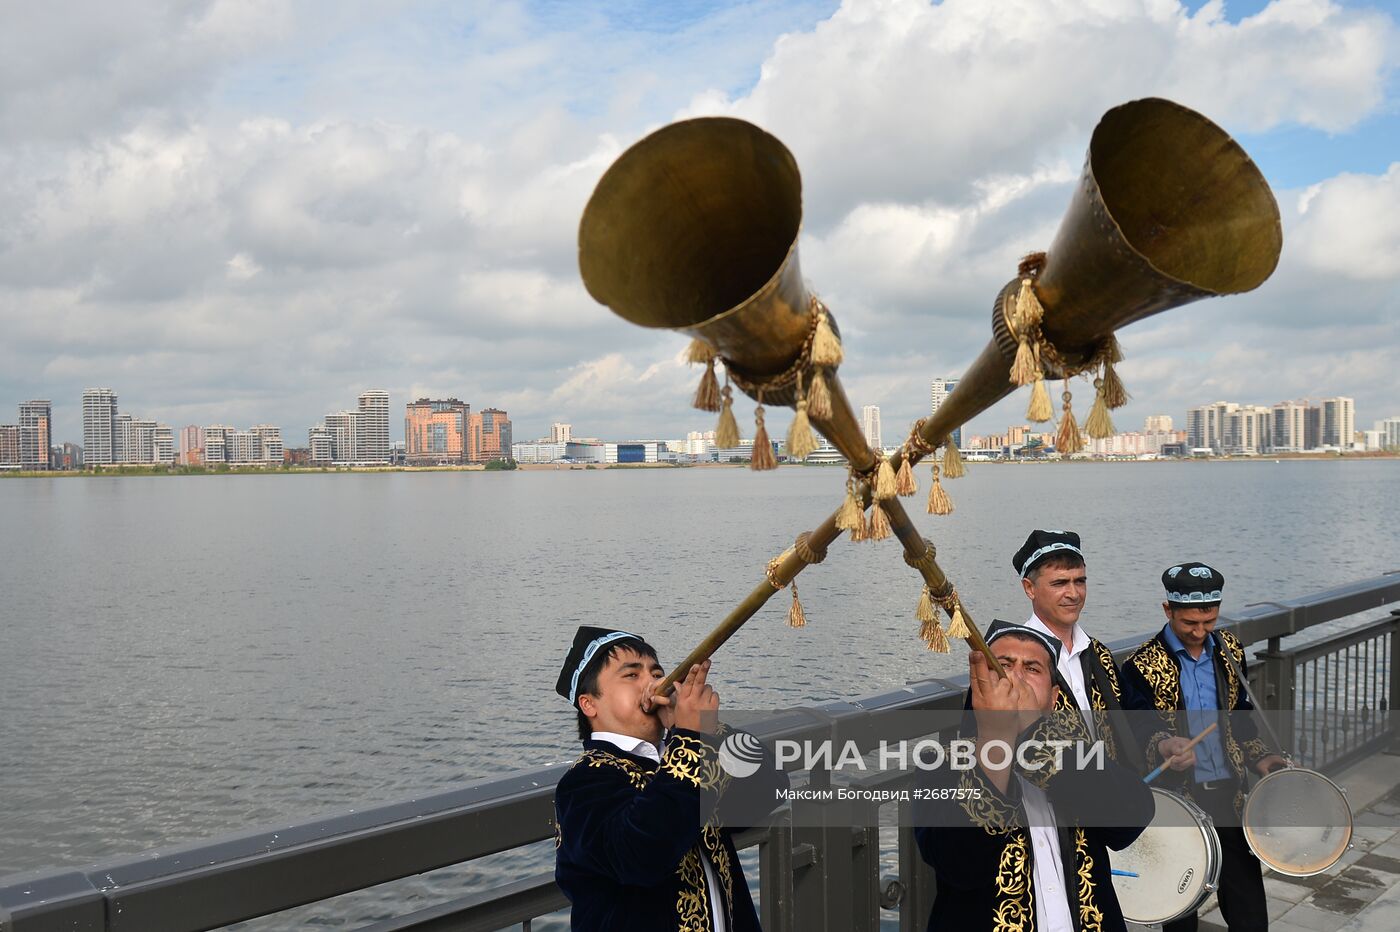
(1063, 560)
(588, 679)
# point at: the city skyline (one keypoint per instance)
(175, 229)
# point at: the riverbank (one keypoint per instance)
(559, 467)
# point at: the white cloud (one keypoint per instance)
(224, 201)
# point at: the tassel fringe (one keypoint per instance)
(851, 517)
(707, 394)
(727, 430)
(904, 483)
(933, 636)
(1067, 438)
(819, 398)
(938, 501)
(826, 348)
(800, 440)
(879, 523)
(1039, 410)
(925, 611)
(953, 466)
(957, 627)
(1099, 425)
(1024, 370)
(885, 486)
(762, 446)
(796, 617)
(1029, 312)
(1114, 394)
(699, 352)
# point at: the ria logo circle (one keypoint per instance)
(740, 755)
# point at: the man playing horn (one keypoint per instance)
(1183, 670)
(642, 838)
(1020, 840)
(1054, 579)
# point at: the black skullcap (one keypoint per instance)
(1194, 584)
(1042, 544)
(999, 628)
(588, 641)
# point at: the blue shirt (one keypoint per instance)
(1202, 705)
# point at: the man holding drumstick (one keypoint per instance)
(1183, 676)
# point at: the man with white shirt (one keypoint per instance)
(642, 843)
(1054, 579)
(1019, 849)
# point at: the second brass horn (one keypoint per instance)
(1169, 209)
(694, 228)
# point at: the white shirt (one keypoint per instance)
(1071, 669)
(640, 747)
(1048, 873)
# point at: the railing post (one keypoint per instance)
(775, 877)
(1393, 704)
(1276, 690)
(822, 895)
(920, 885)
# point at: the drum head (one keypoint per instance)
(1176, 859)
(1298, 822)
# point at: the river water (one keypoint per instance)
(190, 656)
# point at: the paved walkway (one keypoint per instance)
(1361, 893)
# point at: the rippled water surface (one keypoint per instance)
(186, 657)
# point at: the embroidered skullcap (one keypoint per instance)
(1193, 584)
(589, 643)
(1041, 545)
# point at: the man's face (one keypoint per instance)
(1192, 624)
(617, 705)
(1027, 660)
(1057, 593)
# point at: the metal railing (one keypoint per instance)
(810, 876)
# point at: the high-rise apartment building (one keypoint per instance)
(9, 446)
(488, 436)
(1312, 428)
(1212, 426)
(163, 445)
(372, 441)
(1157, 423)
(1338, 422)
(1389, 430)
(270, 449)
(561, 433)
(1289, 427)
(99, 427)
(939, 391)
(320, 446)
(870, 426)
(35, 434)
(121, 439)
(435, 431)
(191, 445)
(344, 430)
(216, 444)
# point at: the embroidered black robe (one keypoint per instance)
(981, 850)
(1152, 682)
(631, 836)
(1102, 683)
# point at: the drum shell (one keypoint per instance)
(1179, 830)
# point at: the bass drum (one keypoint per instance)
(1176, 860)
(1297, 822)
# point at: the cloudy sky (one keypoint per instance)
(241, 211)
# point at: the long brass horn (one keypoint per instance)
(694, 228)
(1169, 209)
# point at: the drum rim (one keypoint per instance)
(1205, 825)
(1269, 861)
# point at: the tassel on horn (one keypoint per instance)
(762, 447)
(796, 617)
(904, 483)
(727, 430)
(938, 501)
(826, 348)
(953, 466)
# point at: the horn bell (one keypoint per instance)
(694, 228)
(1169, 209)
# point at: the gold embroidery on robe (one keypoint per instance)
(693, 761)
(638, 777)
(1015, 899)
(1090, 916)
(693, 904)
(719, 857)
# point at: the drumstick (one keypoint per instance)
(1191, 744)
